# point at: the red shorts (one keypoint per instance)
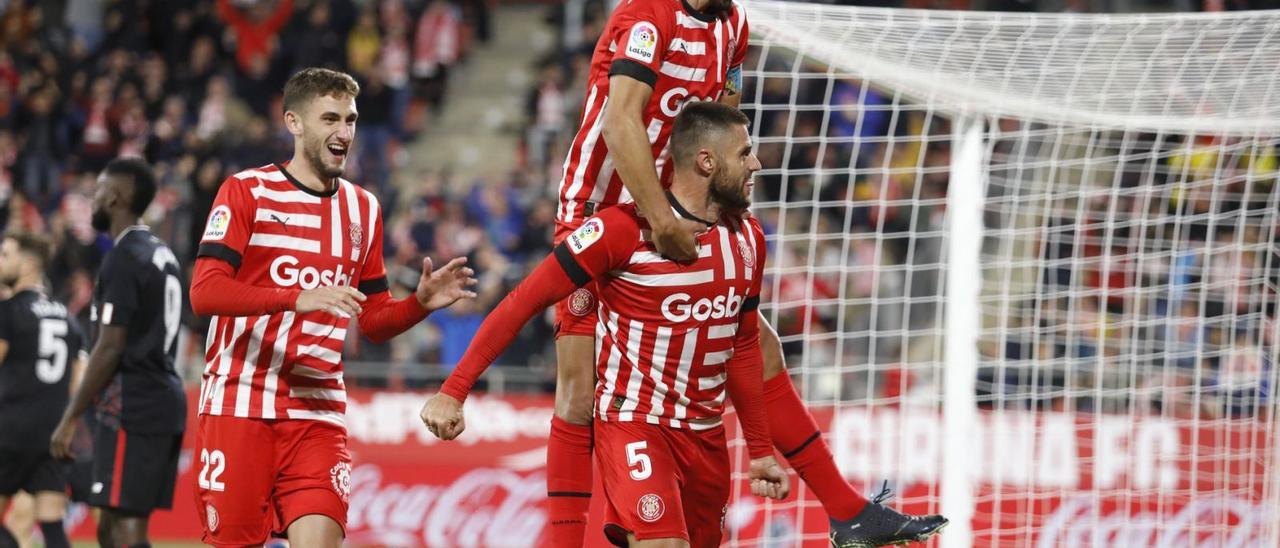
(575, 314)
(257, 476)
(662, 482)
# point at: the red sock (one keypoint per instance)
(797, 436)
(568, 482)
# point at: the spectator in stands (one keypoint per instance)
(44, 152)
(547, 108)
(255, 34)
(363, 44)
(437, 45)
(377, 130)
(394, 59)
(318, 43)
(219, 111)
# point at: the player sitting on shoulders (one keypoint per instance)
(674, 339)
(653, 58)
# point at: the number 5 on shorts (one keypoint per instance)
(637, 461)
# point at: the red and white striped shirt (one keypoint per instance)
(671, 338)
(683, 54)
(666, 330)
(277, 233)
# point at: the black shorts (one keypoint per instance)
(30, 470)
(133, 472)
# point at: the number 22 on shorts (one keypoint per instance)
(209, 480)
(638, 462)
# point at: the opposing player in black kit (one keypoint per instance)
(137, 306)
(39, 348)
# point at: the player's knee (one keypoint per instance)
(50, 506)
(315, 530)
(132, 532)
(575, 379)
(574, 408)
(575, 395)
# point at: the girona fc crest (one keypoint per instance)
(748, 256)
(356, 234)
(650, 507)
(581, 302)
(340, 474)
(212, 515)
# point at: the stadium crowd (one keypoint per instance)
(194, 88)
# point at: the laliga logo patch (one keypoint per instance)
(585, 235)
(581, 302)
(650, 507)
(748, 256)
(356, 234)
(219, 220)
(340, 474)
(212, 516)
(643, 42)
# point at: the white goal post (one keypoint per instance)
(1026, 267)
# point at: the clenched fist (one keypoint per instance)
(768, 479)
(442, 414)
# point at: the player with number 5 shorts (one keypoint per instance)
(675, 340)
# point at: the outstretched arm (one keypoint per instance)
(384, 317)
(632, 154)
(548, 283)
(598, 246)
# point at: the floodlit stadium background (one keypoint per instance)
(1124, 306)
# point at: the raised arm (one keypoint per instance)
(628, 142)
(547, 284)
(597, 247)
(641, 34)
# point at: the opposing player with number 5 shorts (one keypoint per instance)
(290, 254)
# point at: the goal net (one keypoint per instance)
(1025, 267)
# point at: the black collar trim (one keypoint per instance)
(298, 184)
(704, 17)
(680, 210)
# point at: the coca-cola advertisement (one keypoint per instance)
(1046, 479)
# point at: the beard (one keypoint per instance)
(100, 220)
(729, 191)
(313, 155)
